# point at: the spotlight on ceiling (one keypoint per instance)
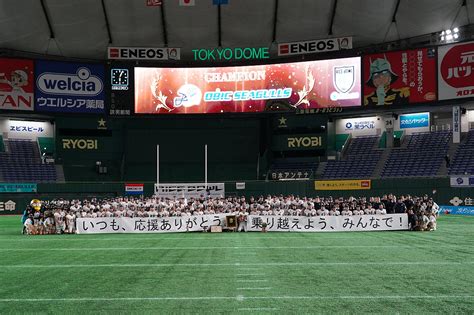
(449, 35)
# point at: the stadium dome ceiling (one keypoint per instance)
(84, 28)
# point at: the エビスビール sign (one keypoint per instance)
(69, 87)
(456, 71)
(16, 84)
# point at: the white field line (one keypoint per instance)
(84, 238)
(260, 264)
(219, 247)
(252, 280)
(265, 288)
(248, 274)
(241, 298)
(258, 309)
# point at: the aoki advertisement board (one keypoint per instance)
(456, 71)
(16, 84)
(400, 77)
(312, 84)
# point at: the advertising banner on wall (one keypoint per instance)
(351, 184)
(314, 46)
(188, 190)
(22, 129)
(364, 126)
(469, 210)
(16, 84)
(13, 205)
(418, 120)
(312, 84)
(462, 181)
(298, 142)
(134, 189)
(400, 77)
(456, 124)
(69, 87)
(18, 187)
(456, 71)
(143, 53)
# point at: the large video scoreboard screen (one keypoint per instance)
(312, 84)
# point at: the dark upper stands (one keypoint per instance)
(423, 156)
(22, 162)
(463, 161)
(362, 158)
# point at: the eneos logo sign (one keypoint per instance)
(80, 84)
(314, 46)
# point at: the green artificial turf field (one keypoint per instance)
(286, 273)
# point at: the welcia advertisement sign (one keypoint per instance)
(312, 84)
(69, 87)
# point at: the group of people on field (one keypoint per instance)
(58, 216)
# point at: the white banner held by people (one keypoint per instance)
(199, 223)
(190, 190)
(388, 222)
(196, 223)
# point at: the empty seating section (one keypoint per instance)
(463, 161)
(22, 162)
(362, 158)
(423, 155)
